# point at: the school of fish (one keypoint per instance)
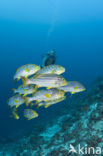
(42, 87)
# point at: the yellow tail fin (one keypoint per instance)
(26, 100)
(46, 106)
(38, 106)
(27, 103)
(25, 95)
(24, 80)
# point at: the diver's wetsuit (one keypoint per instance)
(49, 59)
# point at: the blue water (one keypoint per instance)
(29, 29)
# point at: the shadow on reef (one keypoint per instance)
(79, 122)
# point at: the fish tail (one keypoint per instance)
(24, 80)
(16, 116)
(26, 100)
(46, 106)
(34, 90)
(38, 106)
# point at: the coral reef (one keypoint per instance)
(79, 123)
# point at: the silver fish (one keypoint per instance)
(73, 87)
(30, 114)
(46, 80)
(26, 70)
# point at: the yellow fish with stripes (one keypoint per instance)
(45, 95)
(73, 87)
(51, 69)
(45, 80)
(15, 101)
(30, 114)
(30, 89)
(46, 104)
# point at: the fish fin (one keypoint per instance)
(24, 79)
(34, 91)
(37, 101)
(46, 100)
(25, 95)
(36, 87)
(35, 76)
(27, 103)
(27, 117)
(35, 113)
(33, 94)
(47, 95)
(13, 89)
(26, 100)
(38, 106)
(72, 92)
(15, 115)
(46, 106)
(17, 118)
(17, 106)
(49, 87)
(27, 69)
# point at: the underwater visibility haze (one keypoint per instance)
(29, 32)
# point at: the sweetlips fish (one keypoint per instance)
(30, 89)
(25, 71)
(45, 95)
(46, 104)
(51, 69)
(73, 87)
(16, 101)
(30, 114)
(46, 80)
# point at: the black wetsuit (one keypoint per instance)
(50, 60)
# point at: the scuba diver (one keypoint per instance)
(49, 58)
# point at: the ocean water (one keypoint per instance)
(29, 29)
